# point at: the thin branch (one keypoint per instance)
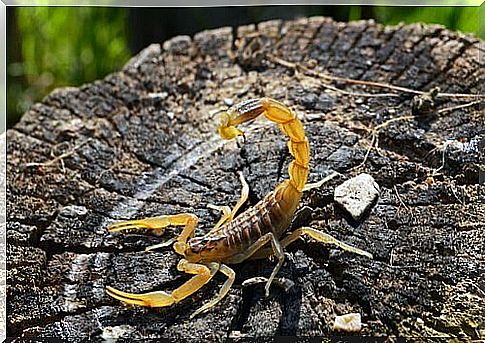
(58, 158)
(364, 95)
(326, 76)
(367, 152)
(399, 198)
(452, 108)
(392, 120)
(375, 136)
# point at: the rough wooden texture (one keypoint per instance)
(142, 142)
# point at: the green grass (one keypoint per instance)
(464, 19)
(63, 46)
(69, 46)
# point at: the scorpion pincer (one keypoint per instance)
(254, 234)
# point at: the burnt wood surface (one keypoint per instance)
(143, 142)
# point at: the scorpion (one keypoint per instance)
(254, 234)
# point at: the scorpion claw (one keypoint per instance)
(152, 299)
(230, 132)
(161, 245)
(129, 225)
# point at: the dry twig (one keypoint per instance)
(375, 136)
(57, 158)
(452, 108)
(298, 67)
(399, 198)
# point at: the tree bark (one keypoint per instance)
(143, 142)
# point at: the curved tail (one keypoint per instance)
(288, 123)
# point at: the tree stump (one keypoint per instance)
(143, 142)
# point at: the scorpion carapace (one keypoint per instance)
(255, 233)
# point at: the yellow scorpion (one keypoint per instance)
(254, 234)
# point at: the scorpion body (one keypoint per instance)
(273, 214)
(255, 233)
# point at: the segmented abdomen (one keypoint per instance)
(245, 229)
(269, 215)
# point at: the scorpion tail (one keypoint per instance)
(298, 143)
(288, 123)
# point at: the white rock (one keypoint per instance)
(350, 322)
(112, 333)
(357, 194)
(74, 211)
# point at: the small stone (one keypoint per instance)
(228, 101)
(112, 333)
(350, 322)
(236, 334)
(161, 95)
(73, 211)
(357, 194)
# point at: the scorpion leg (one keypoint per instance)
(278, 251)
(229, 214)
(318, 184)
(222, 293)
(226, 214)
(260, 243)
(316, 234)
(161, 299)
(324, 238)
(244, 195)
